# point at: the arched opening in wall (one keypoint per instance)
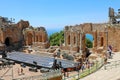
(69, 40)
(36, 38)
(101, 41)
(74, 40)
(89, 40)
(40, 38)
(29, 39)
(8, 41)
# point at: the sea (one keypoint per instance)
(89, 36)
(51, 31)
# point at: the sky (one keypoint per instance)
(55, 14)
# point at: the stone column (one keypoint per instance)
(76, 40)
(70, 45)
(26, 41)
(65, 42)
(95, 40)
(80, 42)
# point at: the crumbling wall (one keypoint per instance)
(102, 36)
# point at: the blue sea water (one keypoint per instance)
(89, 36)
(51, 31)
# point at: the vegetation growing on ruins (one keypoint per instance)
(56, 38)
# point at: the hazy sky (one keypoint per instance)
(55, 14)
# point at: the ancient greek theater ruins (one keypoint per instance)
(26, 53)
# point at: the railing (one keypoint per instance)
(86, 72)
(44, 76)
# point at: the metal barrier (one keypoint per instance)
(44, 76)
(98, 65)
(86, 72)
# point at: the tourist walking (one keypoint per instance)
(110, 51)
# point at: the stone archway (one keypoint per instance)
(40, 38)
(37, 38)
(30, 39)
(89, 40)
(8, 41)
(69, 40)
(74, 40)
(101, 41)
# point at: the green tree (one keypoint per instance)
(88, 43)
(56, 38)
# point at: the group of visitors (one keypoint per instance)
(87, 64)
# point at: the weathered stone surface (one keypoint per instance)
(103, 34)
(36, 37)
(14, 36)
